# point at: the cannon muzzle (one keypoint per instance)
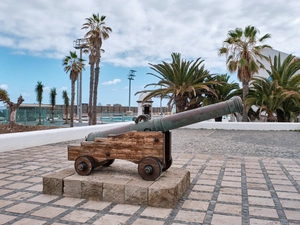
(177, 120)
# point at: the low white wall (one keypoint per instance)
(245, 126)
(15, 141)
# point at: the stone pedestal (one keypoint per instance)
(119, 183)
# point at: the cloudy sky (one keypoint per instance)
(36, 34)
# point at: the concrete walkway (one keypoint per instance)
(237, 177)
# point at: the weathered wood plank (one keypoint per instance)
(131, 146)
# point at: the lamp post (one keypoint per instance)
(80, 43)
(130, 78)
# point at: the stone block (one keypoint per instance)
(72, 186)
(169, 188)
(92, 190)
(136, 191)
(53, 183)
(162, 194)
(114, 190)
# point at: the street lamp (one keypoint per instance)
(80, 43)
(130, 78)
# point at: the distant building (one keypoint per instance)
(270, 52)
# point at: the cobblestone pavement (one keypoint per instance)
(237, 177)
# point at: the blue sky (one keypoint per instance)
(36, 34)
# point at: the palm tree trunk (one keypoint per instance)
(96, 81)
(245, 93)
(40, 114)
(90, 107)
(95, 95)
(180, 102)
(66, 113)
(72, 103)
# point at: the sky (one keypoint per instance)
(35, 35)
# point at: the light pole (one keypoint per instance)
(130, 78)
(80, 43)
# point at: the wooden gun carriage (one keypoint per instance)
(146, 143)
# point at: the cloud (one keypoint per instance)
(146, 31)
(25, 94)
(4, 86)
(46, 89)
(63, 88)
(111, 82)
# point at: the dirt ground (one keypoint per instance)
(22, 128)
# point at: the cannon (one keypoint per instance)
(146, 142)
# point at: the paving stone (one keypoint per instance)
(226, 220)
(292, 215)
(124, 209)
(263, 222)
(288, 195)
(189, 216)
(263, 212)
(6, 218)
(111, 220)
(290, 204)
(196, 205)
(156, 212)
(226, 208)
(147, 222)
(48, 212)
(26, 221)
(4, 203)
(229, 198)
(68, 201)
(79, 216)
(21, 208)
(261, 201)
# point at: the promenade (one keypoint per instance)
(237, 177)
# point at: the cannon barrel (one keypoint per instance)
(177, 120)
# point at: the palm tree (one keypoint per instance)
(52, 102)
(74, 65)
(97, 32)
(287, 75)
(223, 91)
(268, 96)
(179, 80)
(66, 103)
(12, 106)
(243, 55)
(39, 97)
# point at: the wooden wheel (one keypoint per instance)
(149, 168)
(107, 163)
(168, 164)
(84, 165)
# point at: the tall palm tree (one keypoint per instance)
(179, 80)
(74, 65)
(97, 32)
(39, 97)
(52, 102)
(243, 54)
(12, 106)
(287, 75)
(66, 103)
